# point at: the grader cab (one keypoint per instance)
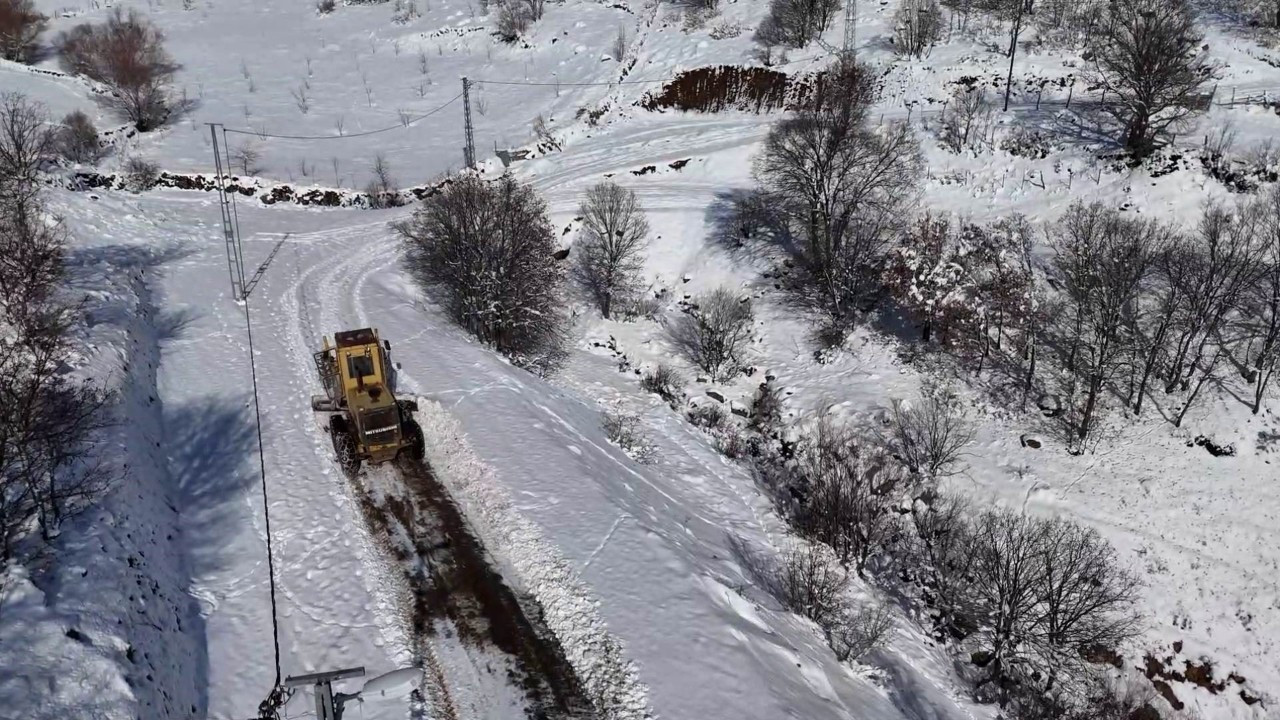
(365, 420)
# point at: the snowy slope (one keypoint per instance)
(648, 547)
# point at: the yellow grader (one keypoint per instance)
(366, 422)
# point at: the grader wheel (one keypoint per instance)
(415, 447)
(344, 446)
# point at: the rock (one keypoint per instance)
(1031, 441)
(561, 254)
(739, 409)
(715, 395)
(1050, 405)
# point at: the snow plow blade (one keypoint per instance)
(321, 403)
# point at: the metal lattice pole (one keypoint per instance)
(469, 150)
(850, 49)
(235, 259)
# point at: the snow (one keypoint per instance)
(173, 563)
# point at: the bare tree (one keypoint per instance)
(929, 436)
(20, 28)
(1008, 575)
(247, 156)
(78, 139)
(715, 331)
(811, 583)
(1086, 599)
(796, 23)
(1048, 590)
(127, 54)
(848, 487)
(842, 188)
(488, 251)
(858, 631)
(967, 117)
(917, 26)
(1221, 265)
(1265, 359)
(1103, 260)
(614, 234)
(382, 190)
(941, 547)
(1147, 56)
(26, 146)
(513, 20)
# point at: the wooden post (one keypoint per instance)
(1070, 90)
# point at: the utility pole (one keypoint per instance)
(230, 224)
(469, 150)
(850, 49)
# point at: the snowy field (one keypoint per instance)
(165, 584)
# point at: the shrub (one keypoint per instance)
(857, 631)
(382, 190)
(665, 382)
(766, 409)
(127, 54)
(715, 332)
(78, 139)
(141, 174)
(708, 416)
(811, 583)
(324, 7)
(626, 432)
(20, 28)
(795, 23)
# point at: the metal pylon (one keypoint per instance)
(235, 253)
(469, 150)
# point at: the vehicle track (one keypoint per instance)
(445, 582)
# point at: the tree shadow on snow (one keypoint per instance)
(211, 444)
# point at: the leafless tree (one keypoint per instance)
(382, 189)
(127, 54)
(247, 156)
(848, 487)
(20, 28)
(1048, 590)
(767, 409)
(929, 436)
(842, 188)
(1221, 265)
(1157, 309)
(1147, 56)
(917, 26)
(967, 117)
(858, 631)
(488, 251)
(614, 234)
(513, 20)
(940, 548)
(78, 139)
(810, 582)
(1086, 598)
(1008, 575)
(796, 23)
(1103, 259)
(301, 100)
(534, 8)
(1265, 343)
(26, 146)
(715, 332)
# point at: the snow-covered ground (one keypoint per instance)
(165, 585)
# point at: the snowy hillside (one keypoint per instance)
(626, 580)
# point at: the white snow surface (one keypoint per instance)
(166, 582)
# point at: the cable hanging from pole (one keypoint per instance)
(351, 135)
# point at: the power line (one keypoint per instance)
(352, 135)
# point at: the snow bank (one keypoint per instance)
(536, 568)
